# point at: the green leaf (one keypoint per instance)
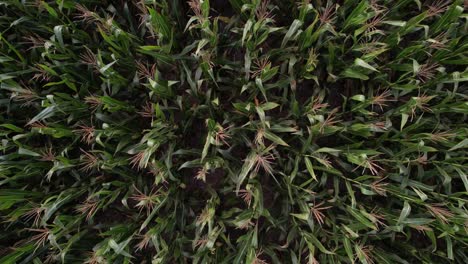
(46, 113)
(247, 27)
(269, 106)
(461, 144)
(312, 239)
(261, 114)
(404, 212)
(259, 85)
(23, 151)
(364, 64)
(404, 119)
(58, 34)
(161, 23)
(357, 16)
(303, 216)
(449, 247)
(12, 127)
(246, 168)
(275, 139)
(348, 249)
(463, 177)
(296, 24)
(362, 219)
(310, 168)
(351, 73)
(206, 146)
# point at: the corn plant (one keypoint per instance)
(235, 131)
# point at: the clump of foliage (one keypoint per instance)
(240, 131)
